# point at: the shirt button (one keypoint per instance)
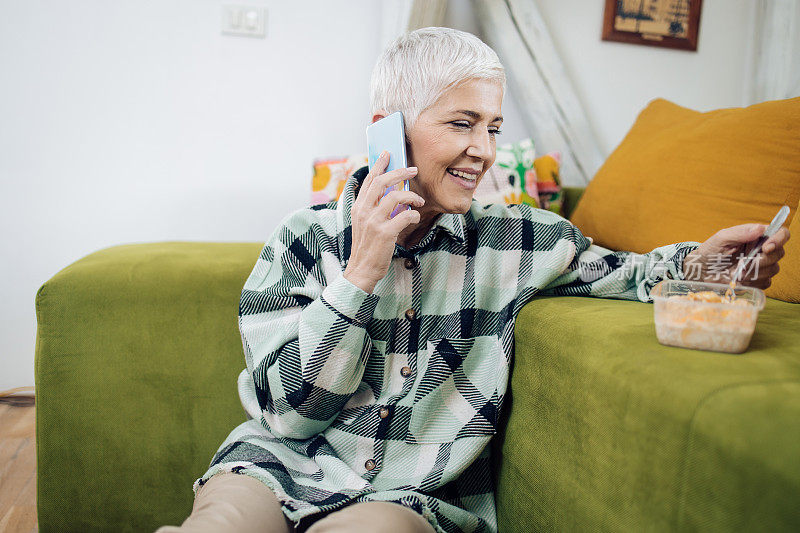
(405, 371)
(383, 413)
(410, 263)
(370, 464)
(410, 314)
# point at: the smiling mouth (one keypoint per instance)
(463, 175)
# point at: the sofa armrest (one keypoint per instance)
(571, 197)
(137, 355)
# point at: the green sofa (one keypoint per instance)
(138, 352)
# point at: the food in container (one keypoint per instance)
(693, 314)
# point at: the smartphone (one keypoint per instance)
(389, 134)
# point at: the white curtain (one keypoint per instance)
(550, 109)
(400, 16)
(776, 57)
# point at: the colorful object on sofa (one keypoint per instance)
(330, 174)
(499, 186)
(682, 175)
(518, 177)
(517, 161)
(548, 184)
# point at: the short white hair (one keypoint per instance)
(419, 66)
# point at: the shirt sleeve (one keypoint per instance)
(597, 271)
(574, 266)
(304, 339)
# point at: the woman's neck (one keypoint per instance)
(413, 233)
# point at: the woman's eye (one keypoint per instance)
(467, 125)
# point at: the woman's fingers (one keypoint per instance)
(377, 169)
(771, 253)
(374, 230)
(402, 220)
(772, 257)
(736, 236)
(762, 284)
(764, 279)
(776, 241)
(389, 179)
(760, 277)
(390, 201)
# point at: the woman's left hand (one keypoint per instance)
(716, 259)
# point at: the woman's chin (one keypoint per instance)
(461, 207)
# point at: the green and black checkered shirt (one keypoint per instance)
(394, 395)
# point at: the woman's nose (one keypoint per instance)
(480, 146)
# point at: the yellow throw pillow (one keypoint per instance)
(786, 285)
(681, 175)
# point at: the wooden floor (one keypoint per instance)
(17, 469)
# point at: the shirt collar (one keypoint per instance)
(452, 224)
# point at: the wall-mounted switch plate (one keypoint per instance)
(244, 21)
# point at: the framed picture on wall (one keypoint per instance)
(667, 23)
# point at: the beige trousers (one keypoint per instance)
(240, 503)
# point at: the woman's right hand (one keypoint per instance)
(374, 231)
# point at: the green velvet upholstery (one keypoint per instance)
(571, 197)
(138, 352)
(609, 430)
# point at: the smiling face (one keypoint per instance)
(453, 144)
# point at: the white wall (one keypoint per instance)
(137, 121)
(615, 81)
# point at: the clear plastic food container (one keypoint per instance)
(693, 314)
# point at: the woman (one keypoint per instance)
(378, 348)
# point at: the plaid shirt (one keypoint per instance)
(394, 395)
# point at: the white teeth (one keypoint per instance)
(463, 175)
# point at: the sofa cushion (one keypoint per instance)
(786, 284)
(609, 430)
(330, 175)
(682, 175)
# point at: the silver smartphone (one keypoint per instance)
(388, 134)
